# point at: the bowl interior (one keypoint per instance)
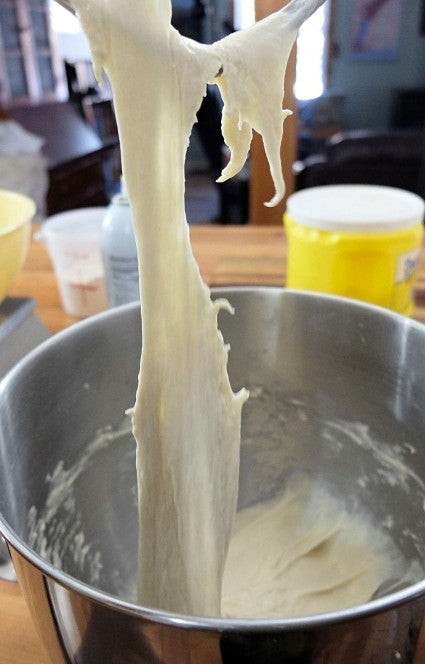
(337, 393)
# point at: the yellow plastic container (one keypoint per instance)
(16, 213)
(359, 241)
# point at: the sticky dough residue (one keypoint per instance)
(391, 461)
(56, 529)
(288, 551)
(303, 553)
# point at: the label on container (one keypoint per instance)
(123, 280)
(406, 265)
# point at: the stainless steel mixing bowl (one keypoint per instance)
(338, 393)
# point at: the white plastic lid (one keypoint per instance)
(356, 208)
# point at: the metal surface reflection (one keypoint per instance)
(358, 374)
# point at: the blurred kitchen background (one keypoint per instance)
(357, 91)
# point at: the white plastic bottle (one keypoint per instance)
(119, 251)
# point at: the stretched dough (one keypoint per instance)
(186, 419)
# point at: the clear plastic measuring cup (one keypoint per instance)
(73, 242)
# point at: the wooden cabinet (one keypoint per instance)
(31, 70)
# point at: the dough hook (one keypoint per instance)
(300, 10)
(295, 6)
(66, 5)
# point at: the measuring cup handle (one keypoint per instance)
(7, 571)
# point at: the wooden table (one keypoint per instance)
(238, 255)
(227, 256)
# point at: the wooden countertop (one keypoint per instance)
(227, 255)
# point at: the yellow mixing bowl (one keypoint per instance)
(16, 213)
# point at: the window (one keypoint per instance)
(312, 47)
(62, 20)
(243, 13)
